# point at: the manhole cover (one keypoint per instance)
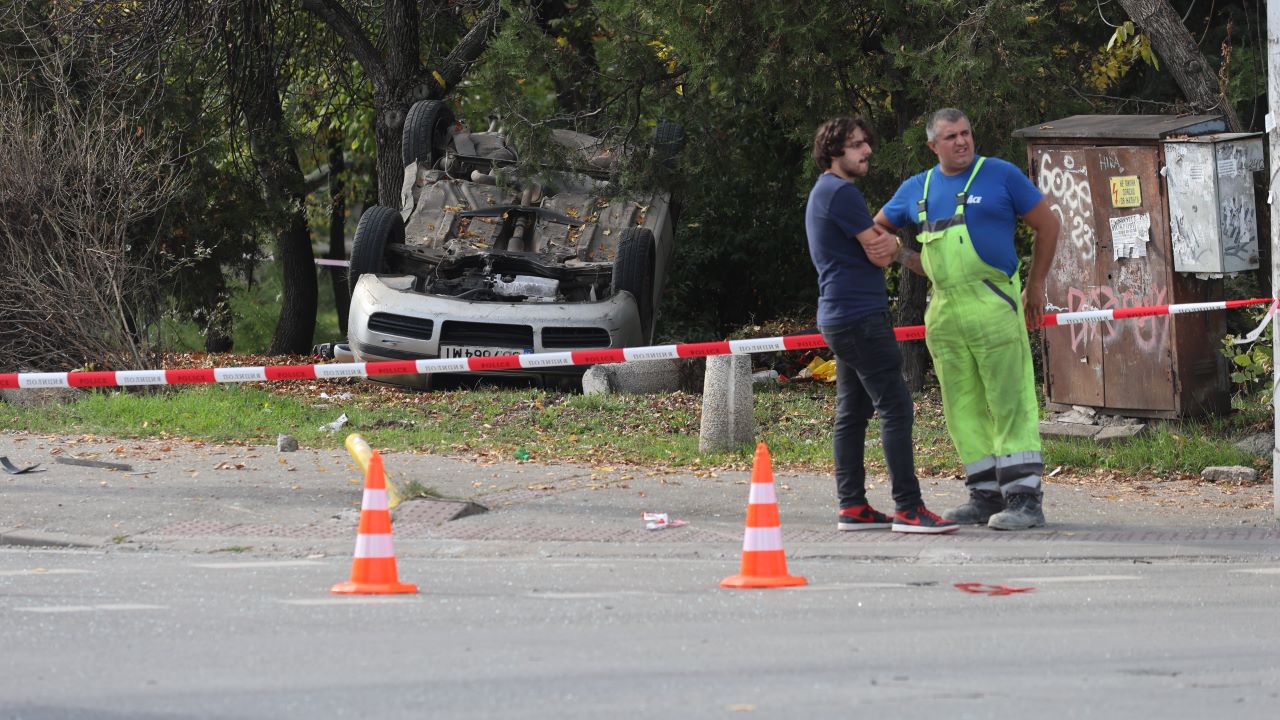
(435, 512)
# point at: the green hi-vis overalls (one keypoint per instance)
(977, 336)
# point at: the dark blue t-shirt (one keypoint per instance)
(849, 286)
(999, 195)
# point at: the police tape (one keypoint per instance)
(537, 361)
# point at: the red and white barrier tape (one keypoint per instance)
(535, 361)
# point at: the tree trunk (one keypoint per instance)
(219, 324)
(1189, 67)
(338, 229)
(281, 173)
(388, 126)
(913, 290)
(913, 293)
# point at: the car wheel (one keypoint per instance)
(426, 130)
(379, 227)
(668, 143)
(633, 272)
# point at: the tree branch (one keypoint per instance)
(347, 28)
(470, 47)
(1183, 59)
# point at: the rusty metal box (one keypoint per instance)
(1104, 177)
(1213, 221)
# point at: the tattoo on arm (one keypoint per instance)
(910, 259)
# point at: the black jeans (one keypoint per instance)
(869, 380)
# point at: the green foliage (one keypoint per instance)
(1114, 60)
(1246, 77)
(212, 230)
(1251, 363)
(748, 81)
(1231, 35)
(515, 83)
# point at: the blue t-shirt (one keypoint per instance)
(849, 286)
(999, 195)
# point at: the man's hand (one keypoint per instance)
(880, 245)
(1033, 299)
(908, 258)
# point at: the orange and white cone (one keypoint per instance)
(373, 572)
(764, 564)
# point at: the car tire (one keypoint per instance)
(668, 144)
(425, 133)
(633, 270)
(379, 228)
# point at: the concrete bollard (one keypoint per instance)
(728, 407)
(1232, 473)
(640, 377)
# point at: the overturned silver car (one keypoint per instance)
(478, 262)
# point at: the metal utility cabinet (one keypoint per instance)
(1213, 221)
(1154, 210)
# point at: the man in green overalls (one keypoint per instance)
(966, 210)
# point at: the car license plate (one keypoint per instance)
(468, 351)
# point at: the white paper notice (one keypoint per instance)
(1228, 167)
(1196, 173)
(1130, 235)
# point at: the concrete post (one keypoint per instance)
(636, 377)
(728, 406)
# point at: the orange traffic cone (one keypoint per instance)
(373, 572)
(764, 564)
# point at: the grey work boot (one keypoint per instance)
(1023, 511)
(981, 506)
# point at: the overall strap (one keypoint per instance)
(922, 205)
(963, 195)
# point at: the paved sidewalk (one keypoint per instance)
(224, 498)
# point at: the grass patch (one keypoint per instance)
(653, 430)
(1186, 447)
(415, 489)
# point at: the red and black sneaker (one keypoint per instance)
(863, 517)
(920, 520)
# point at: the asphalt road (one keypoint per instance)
(196, 585)
(197, 496)
(91, 634)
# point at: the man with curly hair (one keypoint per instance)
(850, 252)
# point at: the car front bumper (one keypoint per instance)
(388, 320)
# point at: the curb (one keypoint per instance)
(29, 538)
